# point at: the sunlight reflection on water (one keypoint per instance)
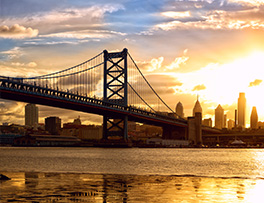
(67, 187)
(131, 175)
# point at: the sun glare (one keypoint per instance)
(223, 82)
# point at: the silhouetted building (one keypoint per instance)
(197, 108)
(77, 121)
(31, 115)
(254, 118)
(230, 124)
(241, 106)
(219, 117)
(208, 122)
(261, 125)
(225, 120)
(53, 125)
(179, 110)
(235, 118)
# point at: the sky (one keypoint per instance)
(214, 49)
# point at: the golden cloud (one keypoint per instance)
(255, 83)
(17, 31)
(199, 87)
(178, 61)
(218, 20)
(174, 14)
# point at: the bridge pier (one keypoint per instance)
(174, 133)
(115, 128)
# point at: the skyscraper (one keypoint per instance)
(241, 110)
(31, 115)
(254, 118)
(197, 107)
(53, 125)
(179, 110)
(219, 117)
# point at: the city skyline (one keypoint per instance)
(219, 119)
(184, 48)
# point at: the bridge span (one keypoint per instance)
(121, 93)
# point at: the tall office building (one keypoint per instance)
(197, 107)
(207, 122)
(254, 118)
(225, 120)
(241, 110)
(219, 117)
(31, 115)
(53, 125)
(179, 110)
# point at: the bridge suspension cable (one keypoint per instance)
(65, 70)
(87, 79)
(149, 85)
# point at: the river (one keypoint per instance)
(131, 175)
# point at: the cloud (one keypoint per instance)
(30, 64)
(199, 87)
(11, 111)
(174, 14)
(178, 61)
(17, 32)
(152, 65)
(68, 22)
(13, 53)
(255, 83)
(217, 15)
(83, 34)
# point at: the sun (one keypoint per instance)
(224, 82)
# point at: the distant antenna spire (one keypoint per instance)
(197, 97)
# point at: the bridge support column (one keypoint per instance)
(115, 128)
(115, 92)
(195, 129)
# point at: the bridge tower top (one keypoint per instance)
(115, 77)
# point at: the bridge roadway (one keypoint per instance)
(16, 90)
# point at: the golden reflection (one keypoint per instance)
(129, 188)
(255, 193)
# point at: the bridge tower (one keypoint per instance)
(115, 91)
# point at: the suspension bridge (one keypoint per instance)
(109, 84)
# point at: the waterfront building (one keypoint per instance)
(241, 110)
(254, 118)
(53, 125)
(31, 115)
(219, 117)
(179, 110)
(197, 108)
(208, 122)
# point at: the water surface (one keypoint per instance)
(131, 175)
